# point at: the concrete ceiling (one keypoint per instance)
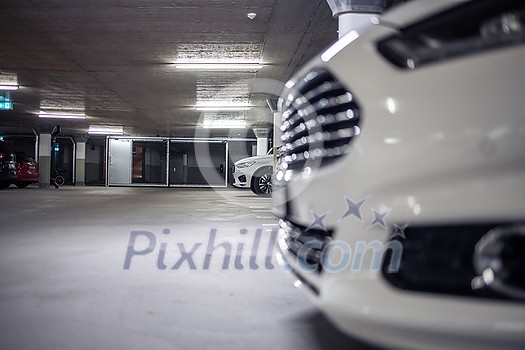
(113, 59)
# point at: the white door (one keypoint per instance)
(119, 169)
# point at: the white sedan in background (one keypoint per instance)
(255, 173)
(401, 185)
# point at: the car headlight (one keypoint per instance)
(245, 164)
(472, 28)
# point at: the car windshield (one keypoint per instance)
(22, 157)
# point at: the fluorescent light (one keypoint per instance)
(9, 87)
(219, 66)
(62, 115)
(218, 106)
(222, 108)
(224, 124)
(105, 133)
(339, 45)
(105, 130)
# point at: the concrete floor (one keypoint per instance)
(65, 284)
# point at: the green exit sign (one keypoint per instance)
(6, 105)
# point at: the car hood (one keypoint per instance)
(256, 159)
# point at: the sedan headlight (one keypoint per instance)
(473, 27)
(245, 164)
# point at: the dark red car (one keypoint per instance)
(27, 170)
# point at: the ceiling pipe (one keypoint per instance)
(356, 14)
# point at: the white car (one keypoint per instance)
(255, 173)
(401, 186)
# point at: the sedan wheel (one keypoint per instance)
(262, 185)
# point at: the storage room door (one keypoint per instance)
(119, 159)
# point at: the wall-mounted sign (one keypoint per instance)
(5, 101)
(6, 105)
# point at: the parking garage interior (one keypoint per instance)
(124, 225)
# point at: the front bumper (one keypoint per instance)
(240, 181)
(360, 300)
(241, 178)
(366, 307)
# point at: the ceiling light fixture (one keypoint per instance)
(225, 108)
(8, 87)
(224, 66)
(224, 124)
(61, 115)
(105, 130)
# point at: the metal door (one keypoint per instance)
(119, 162)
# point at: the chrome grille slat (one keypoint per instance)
(323, 119)
(323, 109)
(319, 120)
(325, 90)
(320, 137)
(311, 80)
(314, 126)
(297, 236)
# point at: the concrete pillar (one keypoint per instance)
(277, 133)
(80, 159)
(44, 155)
(262, 140)
(355, 14)
(44, 160)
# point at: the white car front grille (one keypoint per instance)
(320, 117)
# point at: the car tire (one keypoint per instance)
(4, 185)
(262, 182)
(22, 184)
